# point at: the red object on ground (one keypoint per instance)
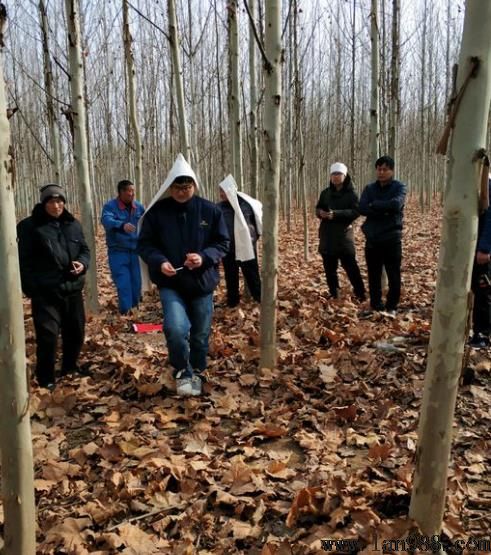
(146, 328)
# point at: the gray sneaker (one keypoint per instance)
(196, 385)
(184, 386)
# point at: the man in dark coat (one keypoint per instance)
(481, 283)
(54, 257)
(243, 218)
(182, 239)
(382, 202)
(337, 209)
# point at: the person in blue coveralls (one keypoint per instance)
(120, 218)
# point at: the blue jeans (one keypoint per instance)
(187, 326)
(125, 271)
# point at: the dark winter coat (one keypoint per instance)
(170, 230)
(47, 248)
(383, 208)
(336, 235)
(229, 216)
(484, 229)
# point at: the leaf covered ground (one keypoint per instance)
(268, 461)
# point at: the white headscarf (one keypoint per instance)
(244, 249)
(180, 168)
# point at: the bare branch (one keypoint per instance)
(149, 21)
(267, 63)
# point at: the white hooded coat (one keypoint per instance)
(180, 168)
(244, 249)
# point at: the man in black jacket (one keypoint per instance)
(182, 240)
(54, 257)
(382, 202)
(243, 221)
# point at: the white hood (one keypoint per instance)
(180, 167)
(244, 249)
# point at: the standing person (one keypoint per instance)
(54, 258)
(480, 284)
(120, 218)
(243, 218)
(337, 208)
(382, 202)
(182, 239)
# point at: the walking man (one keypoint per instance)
(182, 239)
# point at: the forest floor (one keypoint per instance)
(267, 461)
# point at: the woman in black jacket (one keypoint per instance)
(337, 209)
(54, 258)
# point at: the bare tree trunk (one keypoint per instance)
(353, 96)
(374, 104)
(48, 84)
(394, 81)
(448, 332)
(15, 431)
(253, 106)
(300, 150)
(272, 136)
(131, 89)
(185, 147)
(80, 152)
(234, 92)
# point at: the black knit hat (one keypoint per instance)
(51, 191)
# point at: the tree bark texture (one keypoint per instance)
(15, 430)
(272, 138)
(459, 232)
(80, 151)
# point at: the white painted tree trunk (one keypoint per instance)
(448, 332)
(131, 98)
(185, 146)
(15, 429)
(374, 97)
(80, 150)
(272, 138)
(48, 84)
(234, 93)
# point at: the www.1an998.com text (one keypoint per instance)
(413, 542)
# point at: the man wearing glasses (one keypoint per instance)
(182, 240)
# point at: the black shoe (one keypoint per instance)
(479, 341)
(77, 370)
(48, 385)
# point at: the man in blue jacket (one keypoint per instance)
(382, 202)
(182, 239)
(120, 218)
(481, 285)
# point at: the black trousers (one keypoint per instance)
(481, 318)
(348, 262)
(53, 314)
(388, 255)
(250, 271)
